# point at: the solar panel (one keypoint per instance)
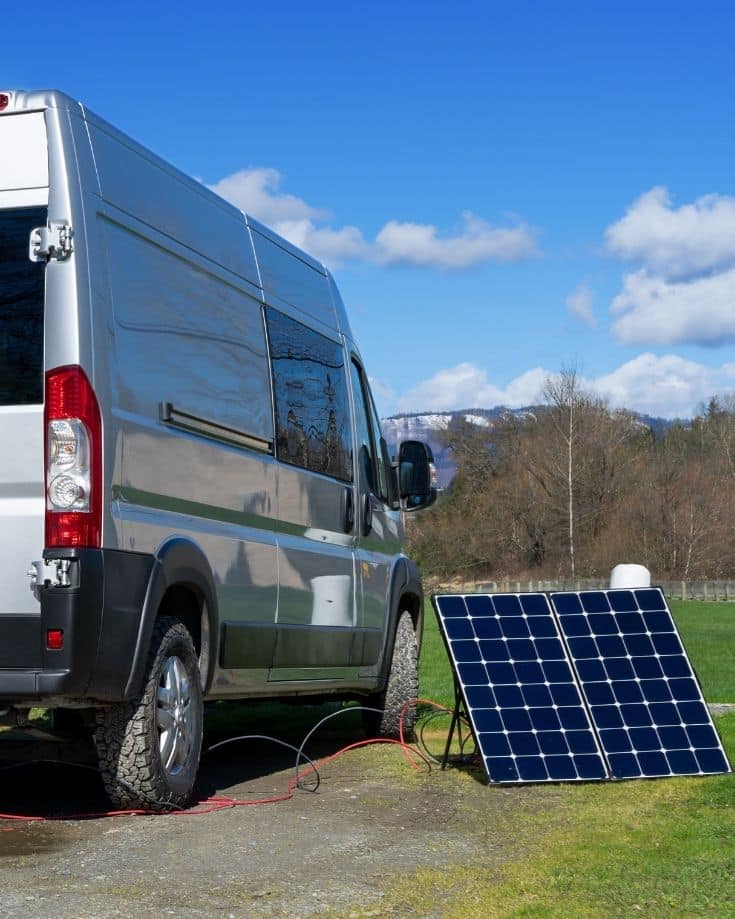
(643, 696)
(520, 692)
(578, 686)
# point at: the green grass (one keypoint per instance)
(625, 849)
(638, 848)
(707, 630)
(708, 633)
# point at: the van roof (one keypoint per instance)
(265, 240)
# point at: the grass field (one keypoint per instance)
(651, 849)
(707, 630)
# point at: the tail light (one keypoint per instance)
(73, 460)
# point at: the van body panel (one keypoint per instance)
(339, 310)
(292, 279)
(144, 186)
(21, 504)
(182, 333)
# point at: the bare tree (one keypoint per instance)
(574, 488)
(566, 402)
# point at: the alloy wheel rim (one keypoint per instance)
(174, 716)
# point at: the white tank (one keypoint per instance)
(629, 576)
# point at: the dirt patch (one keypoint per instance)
(372, 822)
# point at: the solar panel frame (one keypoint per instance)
(644, 698)
(526, 712)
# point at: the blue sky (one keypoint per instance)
(501, 189)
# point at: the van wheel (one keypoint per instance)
(402, 687)
(148, 749)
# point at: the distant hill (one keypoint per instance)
(429, 426)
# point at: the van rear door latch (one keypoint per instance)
(53, 241)
(56, 572)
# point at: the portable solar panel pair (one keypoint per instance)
(578, 686)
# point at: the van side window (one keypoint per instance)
(313, 427)
(371, 458)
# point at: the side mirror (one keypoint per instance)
(416, 475)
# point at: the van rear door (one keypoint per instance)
(23, 206)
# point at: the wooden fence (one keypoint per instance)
(674, 590)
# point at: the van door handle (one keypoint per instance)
(348, 509)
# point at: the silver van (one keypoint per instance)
(196, 499)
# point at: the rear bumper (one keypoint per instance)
(100, 617)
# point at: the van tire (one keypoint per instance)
(401, 689)
(132, 738)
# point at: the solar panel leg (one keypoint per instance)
(456, 715)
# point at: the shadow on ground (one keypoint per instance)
(54, 776)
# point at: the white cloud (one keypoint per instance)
(330, 245)
(258, 192)
(667, 386)
(579, 304)
(683, 291)
(676, 242)
(467, 386)
(421, 244)
(653, 309)
(382, 392)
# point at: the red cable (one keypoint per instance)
(223, 802)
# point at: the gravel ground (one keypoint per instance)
(335, 852)
(354, 848)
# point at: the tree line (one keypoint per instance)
(575, 487)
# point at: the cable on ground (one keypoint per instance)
(304, 767)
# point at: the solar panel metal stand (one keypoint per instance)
(459, 712)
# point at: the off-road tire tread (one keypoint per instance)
(125, 740)
(401, 688)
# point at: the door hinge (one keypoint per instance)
(56, 572)
(53, 241)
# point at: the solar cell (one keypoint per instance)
(643, 697)
(520, 692)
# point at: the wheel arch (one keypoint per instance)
(406, 593)
(182, 586)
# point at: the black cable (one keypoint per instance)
(299, 754)
(299, 750)
(426, 720)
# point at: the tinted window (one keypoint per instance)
(21, 309)
(310, 387)
(371, 459)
